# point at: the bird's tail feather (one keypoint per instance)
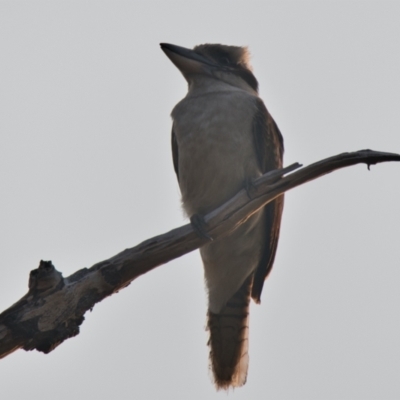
(229, 339)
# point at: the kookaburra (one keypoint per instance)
(222, 138)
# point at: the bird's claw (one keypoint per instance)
(250, 188)
(199, 226)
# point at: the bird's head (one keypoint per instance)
(225, 63)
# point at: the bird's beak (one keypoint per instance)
(186, 60)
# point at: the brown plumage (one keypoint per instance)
(229, 336)
(222, 138)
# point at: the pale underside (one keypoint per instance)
(213, 129)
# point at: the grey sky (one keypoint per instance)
(86, 171)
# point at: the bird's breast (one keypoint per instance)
(216, 148)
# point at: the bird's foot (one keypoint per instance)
(250, 188)
(199, 226)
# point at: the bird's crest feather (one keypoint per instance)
(235, 56)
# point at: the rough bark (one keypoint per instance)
(54, 307)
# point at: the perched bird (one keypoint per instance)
(222, 138)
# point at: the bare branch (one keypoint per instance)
(54, 307)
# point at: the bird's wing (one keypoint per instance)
(175, 155)
(269, 148)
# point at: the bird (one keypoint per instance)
(223, 137)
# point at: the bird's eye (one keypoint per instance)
(226, 61)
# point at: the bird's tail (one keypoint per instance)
(229, 339)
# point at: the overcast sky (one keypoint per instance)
(86, 171)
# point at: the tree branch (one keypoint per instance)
(54, 307)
